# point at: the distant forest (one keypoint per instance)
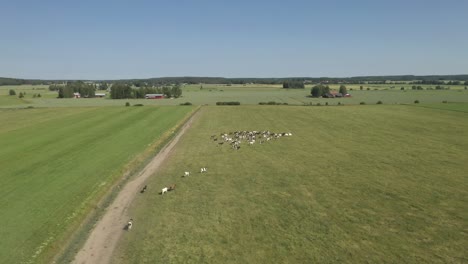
(427, 79)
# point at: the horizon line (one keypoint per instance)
(188, 76)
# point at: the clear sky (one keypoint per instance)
(140, 39)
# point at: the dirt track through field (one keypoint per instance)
(103, 239)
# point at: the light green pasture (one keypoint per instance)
(57, 162)
(354, 184)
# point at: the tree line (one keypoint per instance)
(125, 91)
(416, 79)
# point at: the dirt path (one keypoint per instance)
(103, 239)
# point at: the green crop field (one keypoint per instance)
(57, 162)
(353, 184)
(250, 94)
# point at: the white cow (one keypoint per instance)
(186, 173)
(130, 224)
(202, 170)
(164, 190)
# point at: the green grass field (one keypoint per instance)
(57, 162)
(249, 94)
(354, 184)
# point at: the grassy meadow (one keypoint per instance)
(57, 162)
(251, 94)
(354, 184)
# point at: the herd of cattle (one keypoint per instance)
(234, 139)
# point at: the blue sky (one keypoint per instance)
(142, 39)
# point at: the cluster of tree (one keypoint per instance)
(103, 86)
(293, 84)
(343, 90)
(84, 89)
(54, 87)
(124, 91)
(319, 90)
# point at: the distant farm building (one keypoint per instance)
(100, 95)
(76, 95)
(154, 96)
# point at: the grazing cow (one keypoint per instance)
(172, 187)
(202, 170)
(164, 190)
(144, 189)
(130, 224)
(186, 174)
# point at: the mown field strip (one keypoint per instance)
(353, 184)
(56, 161)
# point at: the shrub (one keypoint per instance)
(20, 95)
(326, 103)
(38, 95)
(30, 107)
(227, 103)
(318, 104)
(368, 88)
(444, 102)
(416, 101)
(127, 104)
(12, 92)
(362, 103)
(138, 105)
(186, 103)
(339, 103)
(379, 102)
